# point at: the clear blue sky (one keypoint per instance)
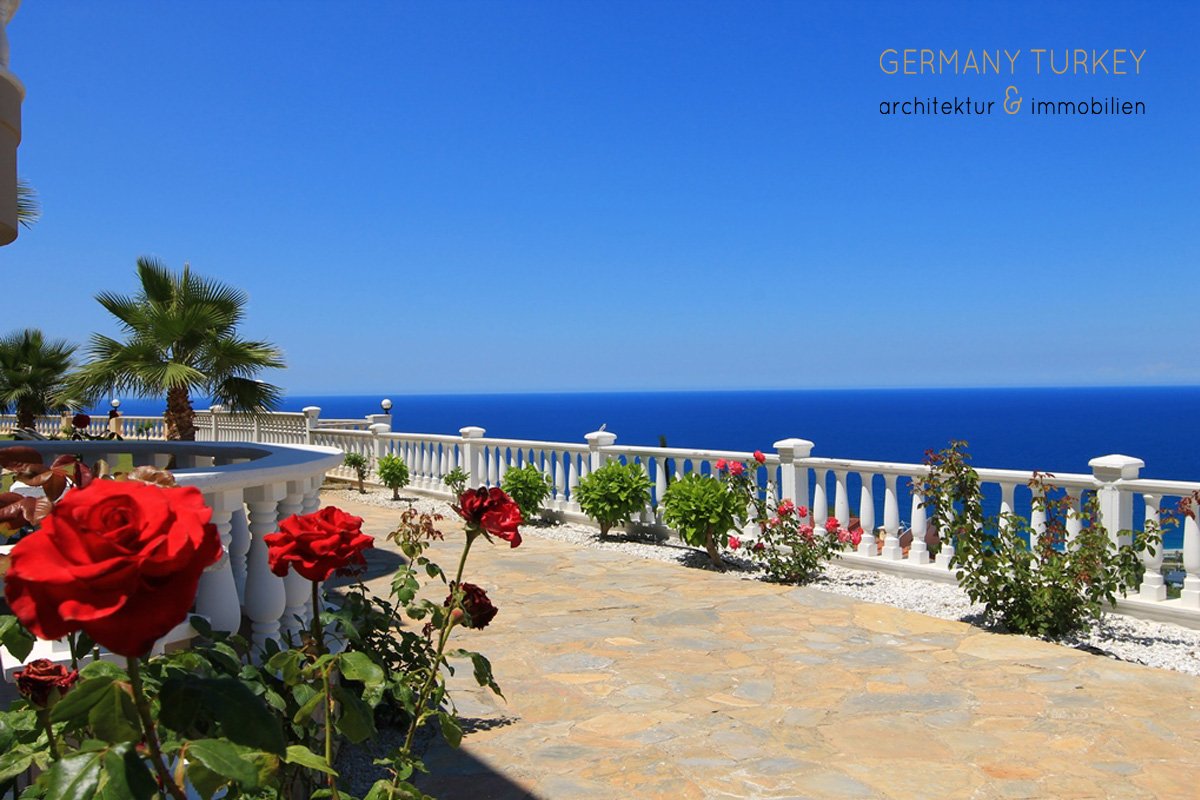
(569, 195)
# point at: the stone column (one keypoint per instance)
(265, 595)
(793, 480)
(596, 440)
(476, 474)
(1116, 507)
(297, 588)
(217, 597)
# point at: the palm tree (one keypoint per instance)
(34, 375)
(181, 338)
(29, 210)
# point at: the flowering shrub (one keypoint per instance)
(788, 546)
(613, 494)
(119, 563)
(1051, 587)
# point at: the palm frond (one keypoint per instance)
(246, 394)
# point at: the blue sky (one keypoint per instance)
(590, 196)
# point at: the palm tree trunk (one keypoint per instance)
(25, 417)
(179, 419)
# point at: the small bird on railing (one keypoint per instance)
(603, 425)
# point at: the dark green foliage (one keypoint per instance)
(529, 488)
(393, 473)
(613, 494)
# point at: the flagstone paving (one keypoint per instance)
(633, 678)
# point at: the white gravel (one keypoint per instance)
(1154, 644)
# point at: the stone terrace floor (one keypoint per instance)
(633, 678)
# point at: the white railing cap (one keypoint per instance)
(600, 438)
(472, 432)
(1116, 465)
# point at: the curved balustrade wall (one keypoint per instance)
(250, 488)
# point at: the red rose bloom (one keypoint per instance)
(734, 543)
(759, 457)
(318, 544)
(736, 468)
(119, 560)
(492, 511)
(81, 420)
(720, 464)
(43, 682)
(475, 604)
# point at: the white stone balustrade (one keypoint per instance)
(791, 472)
(258, 483)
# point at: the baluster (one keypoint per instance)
(1153, 587)
(217, 595)
(1074, 515)
(1006, 504)
(494, 460)
(820, 506)
(647, 512)
(918, 551)
(297, 588)
(1190, 596)
(265, 594)
(660, 486)
(866, 516)
(1037, 517)
(572, 480)
(841, 500)
(891, 520)
(239, 546)
(560, 482)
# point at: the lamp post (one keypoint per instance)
(386, 405)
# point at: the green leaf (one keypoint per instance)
(14, 762)
(301, 756)
(14, 637)
(450, 729)
(306, 710)
(106, 669)
(357, 720)
(206, 782)
(225, 759)
(114, 717)
(358, 666)
(126, 777)
(75, 777)
(81, 698)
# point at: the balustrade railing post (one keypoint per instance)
(266, 597)
(918, 551)
(472, 465)
(1116, 507)
(891, 520)
(217, 595)
(379, 444)
(597, 458)
(793, 480)
(866, 516)
(1153, 586)
(297, 589)
(213, 411)
(312, 421)
(380, 419)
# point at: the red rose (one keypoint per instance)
(734, 543)
(759, 457)
(81, 420)
(316, 545)
(736, 468)
(119, 560)
(720, 464)
(43, 682)
(492, 511)
(475, 604)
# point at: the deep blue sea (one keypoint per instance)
(1054, 430)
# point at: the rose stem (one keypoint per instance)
(423, 696)
(328, 724)
(318, 632)
(151, 733)
(44, 717)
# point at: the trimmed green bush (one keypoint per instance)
(528, 487)
(613, 494)
(456, 481)
(393, 473)
(704, 510)
(358, 462)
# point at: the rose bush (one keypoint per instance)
(474, 601)
(120, 561)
